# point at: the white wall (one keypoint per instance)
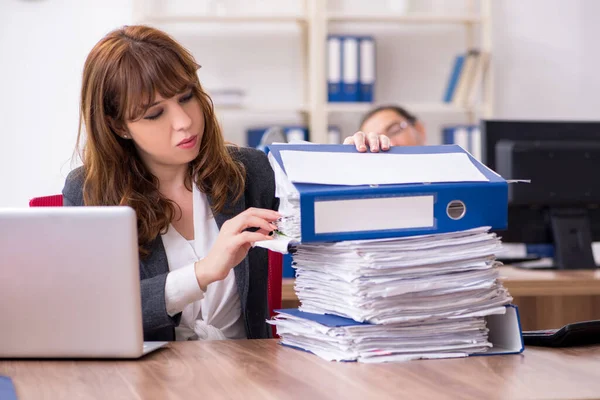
(544, 53)
(546, 59)
(43, 45)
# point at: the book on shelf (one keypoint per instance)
(466, 77)
(466, 136)
(262, 136)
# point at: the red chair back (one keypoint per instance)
(274, 280)
(47, 201)
(274, 284)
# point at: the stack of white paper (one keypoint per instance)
(380, 343)
(397, 299)
(402, 279)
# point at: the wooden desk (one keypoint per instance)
(551, 299)
(263, 369)
(546, 299)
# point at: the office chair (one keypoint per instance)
(274, 281)
(47, 201)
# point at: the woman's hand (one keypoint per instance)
(233, 243)
(374, 142)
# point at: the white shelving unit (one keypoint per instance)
(415, 18)
(315, 24)
(224, 18)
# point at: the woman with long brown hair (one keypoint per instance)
(151, 141)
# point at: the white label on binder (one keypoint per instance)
(374, 214)
(350, 70)
(367, 61)
(334, 60)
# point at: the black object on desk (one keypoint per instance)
(575, 334)
(560, 205)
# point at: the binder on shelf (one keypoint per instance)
(465, 80)
(366, 68)
(349, 69)
(475, 142)
(466, 136)
(337, 212)
(505, 331)
(334, 135)
(454, 76)
(479, 72)
(334, 68)
(290, 132)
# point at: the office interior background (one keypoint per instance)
(257, 55)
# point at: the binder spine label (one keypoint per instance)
(372, 214)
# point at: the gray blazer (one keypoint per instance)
(250, 275)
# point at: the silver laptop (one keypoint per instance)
(70, 284)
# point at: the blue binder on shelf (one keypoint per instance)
(454, 76)
(366, 68)
(255, 134)
(349, 59)
(334, 68)
(330, 213)
(505, 332)
(466, 136)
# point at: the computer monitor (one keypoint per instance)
(561, 204)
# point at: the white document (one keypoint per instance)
(425, 296)
(402, 279)
(440, 338)
(279, 244)
(378, 168)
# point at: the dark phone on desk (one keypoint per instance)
(575, 334)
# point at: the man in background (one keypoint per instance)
(399, 125)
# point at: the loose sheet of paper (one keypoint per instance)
(378, 168)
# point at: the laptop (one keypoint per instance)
(70, 284)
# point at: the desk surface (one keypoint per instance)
(523, 282)
(263, 369)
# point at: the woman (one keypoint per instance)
(152, 142)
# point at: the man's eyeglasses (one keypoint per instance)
(397, 128)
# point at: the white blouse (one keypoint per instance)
(211, 315)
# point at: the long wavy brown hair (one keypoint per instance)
(121, 76)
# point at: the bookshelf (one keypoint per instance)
(414, 18)
(315, 22)
(224, 18)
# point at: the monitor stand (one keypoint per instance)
(572, 239)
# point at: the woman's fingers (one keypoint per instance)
(255, 222)
(251, 237)
(264, 213)
(253, 218)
